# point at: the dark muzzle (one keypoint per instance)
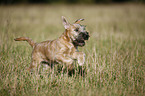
(80, 41)
(84, 35)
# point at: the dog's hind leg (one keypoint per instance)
(46, 66)
(35, 65)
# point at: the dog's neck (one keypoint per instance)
(66, 37)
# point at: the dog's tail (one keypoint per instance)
(30, 41)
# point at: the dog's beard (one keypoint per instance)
(80, 40)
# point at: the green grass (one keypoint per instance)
(115, 53)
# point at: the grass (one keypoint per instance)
(115, 53)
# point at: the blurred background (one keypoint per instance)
(67, 1)
(115, 59)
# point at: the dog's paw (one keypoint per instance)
(81, 59)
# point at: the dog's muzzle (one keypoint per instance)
(80, 40)
(85, 35)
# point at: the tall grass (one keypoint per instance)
(115, 53)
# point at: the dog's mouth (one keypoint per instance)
(78, 42)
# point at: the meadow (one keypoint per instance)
(115, 52)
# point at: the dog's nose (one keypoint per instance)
(86, 36)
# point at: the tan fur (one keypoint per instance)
(25, 39)
(60, 50)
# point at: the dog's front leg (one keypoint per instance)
(66, 60)
(80, 56)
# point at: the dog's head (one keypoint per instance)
(77, 32)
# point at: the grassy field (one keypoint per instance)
(115, 53)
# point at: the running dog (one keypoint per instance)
(63, 50)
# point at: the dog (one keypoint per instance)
(63, 50)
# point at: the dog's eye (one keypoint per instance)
(77, 29)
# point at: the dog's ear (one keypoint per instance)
(79, 20)
(65, 23)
